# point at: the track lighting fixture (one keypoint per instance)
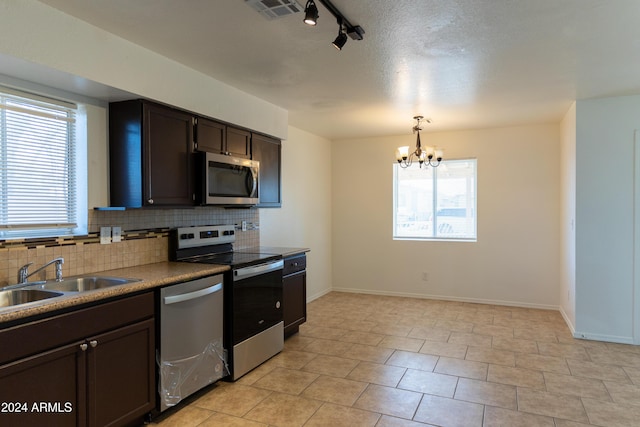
(311, 13)
(356, 32)
(340, 41)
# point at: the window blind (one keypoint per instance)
(37, 166)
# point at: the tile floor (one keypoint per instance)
(365, 360)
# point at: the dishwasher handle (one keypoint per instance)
(192, 295)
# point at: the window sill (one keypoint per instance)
(436, 239)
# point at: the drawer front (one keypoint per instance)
(41, 335)
(294, 264)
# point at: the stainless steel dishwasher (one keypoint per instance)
(190, 353)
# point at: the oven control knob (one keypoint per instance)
(277, 304)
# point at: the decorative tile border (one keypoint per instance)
(79, 240)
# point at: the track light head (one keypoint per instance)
(311, 13)
(340, 41)
(356, 33)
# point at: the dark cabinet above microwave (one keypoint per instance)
(150, 155)
(215, 137)
(210, 136)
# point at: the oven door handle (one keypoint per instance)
(192, 295)
(246, 272)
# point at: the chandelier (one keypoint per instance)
(423, 155)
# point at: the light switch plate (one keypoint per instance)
(105, 235)
(116, 234)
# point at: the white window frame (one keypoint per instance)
(51, 205)
(432, 222)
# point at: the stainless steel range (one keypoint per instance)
(253, 326)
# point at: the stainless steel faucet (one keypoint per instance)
(23, 273)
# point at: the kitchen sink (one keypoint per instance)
(86, 283)
(14, 297)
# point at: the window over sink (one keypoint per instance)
(435, 203)
(42, 167)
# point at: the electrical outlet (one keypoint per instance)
(105, 235)
(116, 234)
(425, 276)
(244, 225)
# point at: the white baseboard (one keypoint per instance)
(601, 337)
(317, 295)
(572, 328)
(593, 337)
(449, 298)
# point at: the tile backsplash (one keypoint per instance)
(145, 240)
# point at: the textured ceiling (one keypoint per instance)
(462, 63)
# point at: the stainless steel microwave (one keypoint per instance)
(230, 180)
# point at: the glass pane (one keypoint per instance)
(456, 200)
(414, 202)
(228, 180)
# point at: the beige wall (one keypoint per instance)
(305, 217)
(568, 217)
(516, 257)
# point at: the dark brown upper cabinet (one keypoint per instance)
(268, 152)
(216, 137)
(238, 142)
(210, 136)
(150, 153)
(152, 160)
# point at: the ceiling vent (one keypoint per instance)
(272, 9)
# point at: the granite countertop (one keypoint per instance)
(151, 276)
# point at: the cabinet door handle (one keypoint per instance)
(93, 343)
(83, 347)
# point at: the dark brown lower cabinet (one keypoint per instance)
(119, 374)
(294, 293)
(104, 379)
(43, 390)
